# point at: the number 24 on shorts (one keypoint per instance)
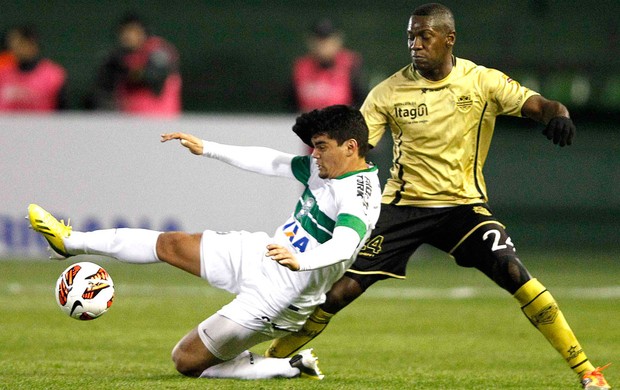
(497, 245)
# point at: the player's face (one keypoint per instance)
(331, 158)
(429, 45)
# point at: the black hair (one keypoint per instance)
(439, 11)
(339, 122)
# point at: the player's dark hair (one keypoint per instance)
(338, 122)
(438, 11)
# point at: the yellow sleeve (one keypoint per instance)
(508, 95)
(376, 119)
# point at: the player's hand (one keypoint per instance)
(282, 256)
(561, 130)
(194, 144)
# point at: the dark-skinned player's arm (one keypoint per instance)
(559, 127)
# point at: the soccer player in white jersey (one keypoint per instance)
(278, 280)
(441, 111)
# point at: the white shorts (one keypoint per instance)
(222, 255)
(233, 261)
(226, 339)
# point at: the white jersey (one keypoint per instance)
(285, 298)
(352, 201)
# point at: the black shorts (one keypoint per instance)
(470, 233)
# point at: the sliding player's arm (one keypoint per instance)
(257, 159)
(340, 247)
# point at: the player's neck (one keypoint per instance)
(357, 165)
(440, 72)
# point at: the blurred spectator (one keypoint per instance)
(7, 58)
(329, 73)
(141, 75)
(30, 83)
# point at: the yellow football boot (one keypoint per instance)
(53, 230)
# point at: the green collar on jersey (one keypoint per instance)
(369, 169)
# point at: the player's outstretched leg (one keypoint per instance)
(542, 310)
(129, 245)
(138, 246)
(501, 264)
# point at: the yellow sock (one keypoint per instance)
(285, 346)
(543, 312)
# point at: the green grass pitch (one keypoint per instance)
(445, 327)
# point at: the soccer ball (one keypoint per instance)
(84, 291)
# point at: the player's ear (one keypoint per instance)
(450, 38)
(352, 147)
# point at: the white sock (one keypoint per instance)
(252, 366)
(127, 245)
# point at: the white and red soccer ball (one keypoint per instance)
(84, 291)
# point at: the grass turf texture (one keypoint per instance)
(445, 327)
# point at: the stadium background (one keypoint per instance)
(236, 59)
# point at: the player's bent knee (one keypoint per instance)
(185, 364)
(191, 357)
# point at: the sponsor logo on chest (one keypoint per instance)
(298, 241)
(410, 110)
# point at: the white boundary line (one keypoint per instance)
(465, 292)
(378, 292)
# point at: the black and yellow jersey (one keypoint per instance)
(442, 131)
